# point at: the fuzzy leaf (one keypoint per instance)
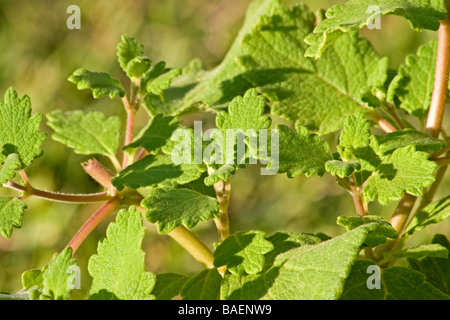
(157, 170)
(132, 60)
(156, 135)
(426, 250)
(414, 82)
(433, 213)
(11, 212)
(243, 252)
(405, 170)
(300, 152)
(204, 285)
(379, 236)
(342, 169)
(168, 285)
(100, 83)
(396, 283)
(354, 137)
(436, 269)
(394, 140)
(11, 165)
(320, 94)
(86, 133)
(172, 207)
(355, 14)
(223, 173)
(118, 269)
(159, 78)
(19, 130)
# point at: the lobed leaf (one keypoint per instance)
(11, 213)
(100, 83)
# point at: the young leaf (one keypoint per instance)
(86, 133)
(57, 275)
(394, 140)
(426, 250)
(405, 170)
(19, 130)
(156, 135)
(157, 170)
(300, 152)
(118, 269)
(342, 169)
(354, 137)
(168, 285)
(374, 238)
(223, 173)
(204, 285)
(355, 14)
(436, 269)
(11, 212)
(320, 94)
(395, 283)
(11, 165)
(100, 83)
(132, 60)
(243, 252)
(171, 207)
(159, 78)
(414, 82)
(433, 213)
(245, 113)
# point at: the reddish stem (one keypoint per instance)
(93, 222)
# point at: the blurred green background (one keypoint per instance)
(38, 53)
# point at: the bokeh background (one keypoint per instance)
(38, 53)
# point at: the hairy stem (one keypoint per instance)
(361, 209)
(128, 135)
(438, 99)
(223, 196)
(58, 197)
(100, 174)
(93, 222)
(383, 123)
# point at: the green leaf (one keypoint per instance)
(132, 60)
(168, 285)
(86, 133)
(118, 269)
(32, 279)
(354, 137)
(11, 165)
(153, 171)
(398, 139)
(100, 83)
(243, 252)
(300, 152)
(414, 83)
(355, 14)
(245, 113)
(405, 170)
(19, 130)
(320, 94)
(342, 169)
(223, 173)
(433, 213)
(11, 212)
(436, 269)
(159, 78)
(396, 283)
(374, 238)
(426, 250)
(204, 285)
(156, 135)
(197, 88)
(171, 207)
(57, 275)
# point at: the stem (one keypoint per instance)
(59, 197)
(438, 99)
(128, 135)
(193, 245)
(383, 123)
(100, 174)
(442, 161)
(223, 196)
(357, 200)
(93, 222)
